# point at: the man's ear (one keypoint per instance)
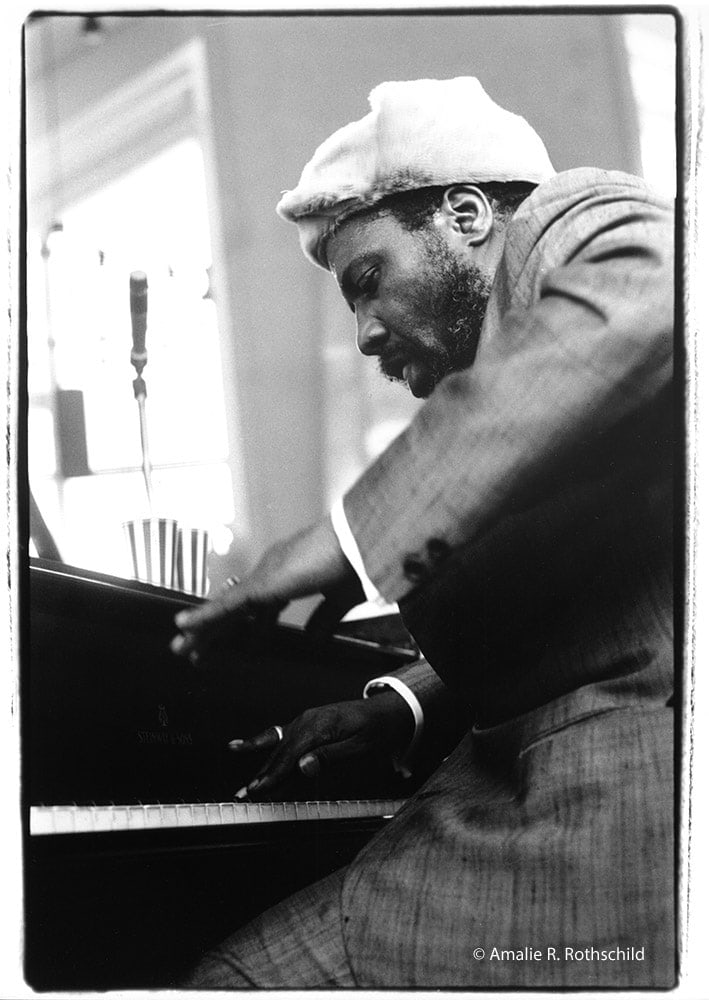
(467, 213)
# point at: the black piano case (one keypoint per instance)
(110, 715)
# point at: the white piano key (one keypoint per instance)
(199, 814)
(83, 821)
(168, 814)
(119, 817)
(252, 812)
(183, 814)
(153, 816)
(135, 818)
(277, 810)
(40, 821)
(102, 818)
(67, 819)
(213, 813)
(63, 819)
(228, 813)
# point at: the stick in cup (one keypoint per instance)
(191, 561)
(153, 548)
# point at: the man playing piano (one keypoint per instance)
(523, 522)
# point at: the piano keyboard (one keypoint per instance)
(45, 820)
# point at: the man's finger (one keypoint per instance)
(223, 603)
(315, 761)
(211, 622)
(284, 759)
(309, 765)
(309, 761)
(266, 740)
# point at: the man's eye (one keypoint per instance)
(367, 284)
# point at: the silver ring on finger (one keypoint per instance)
(279, 732)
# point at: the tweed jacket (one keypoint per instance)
(524, 523)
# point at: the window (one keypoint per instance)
(146, 214)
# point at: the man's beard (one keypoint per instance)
(453, 303)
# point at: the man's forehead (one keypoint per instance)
(363, 235)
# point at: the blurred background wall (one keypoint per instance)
(162, 143)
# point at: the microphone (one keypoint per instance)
(139, 319)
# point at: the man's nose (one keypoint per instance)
(372, 335)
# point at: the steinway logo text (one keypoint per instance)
(153, 736)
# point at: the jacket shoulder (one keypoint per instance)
(589, 183)
(562, 214)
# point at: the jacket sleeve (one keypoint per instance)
(424, 682)
(590, 343)
(444, 717)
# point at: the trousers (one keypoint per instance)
(297, 944)
(552, 832)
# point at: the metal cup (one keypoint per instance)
(153, 548)
(191, 562)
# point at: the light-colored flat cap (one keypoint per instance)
(419, 133)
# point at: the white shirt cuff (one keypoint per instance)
(401, 761)
(352, 554)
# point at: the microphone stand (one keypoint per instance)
(139, 359)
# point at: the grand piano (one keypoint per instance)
(137, 857)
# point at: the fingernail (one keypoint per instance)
(182, 618)
(241, 794)
(309, 765)
(235, 744)
(177, 643)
